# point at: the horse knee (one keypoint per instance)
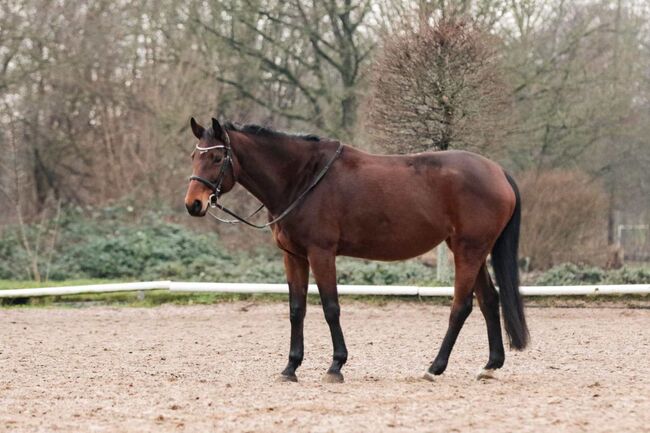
(332, 312)
(296, 314)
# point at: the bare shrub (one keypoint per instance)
(564, 218)
(437, 87)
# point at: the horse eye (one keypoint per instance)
(217, 158)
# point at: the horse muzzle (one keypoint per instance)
(196, 208)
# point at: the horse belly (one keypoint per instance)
(393, 212)
(405, 240)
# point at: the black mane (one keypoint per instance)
(265, 131)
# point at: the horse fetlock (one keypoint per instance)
(438, 367)
(295, 358)
(290, 369)
(287, 376)
(340, 357)
(496, 361)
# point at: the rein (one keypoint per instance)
(216, 189)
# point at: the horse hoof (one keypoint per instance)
(428, 376)
(287, 378)
(333, 378)
(486, 373)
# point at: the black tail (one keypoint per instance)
(506, 270)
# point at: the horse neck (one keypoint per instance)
(273, 168)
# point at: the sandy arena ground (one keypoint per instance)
(214, 368)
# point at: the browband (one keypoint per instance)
(226, 140)
(205, 149)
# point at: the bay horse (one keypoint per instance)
(326, 199)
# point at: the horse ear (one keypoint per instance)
(197, 129)
(218, 130)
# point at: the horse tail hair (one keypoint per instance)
(506, 270)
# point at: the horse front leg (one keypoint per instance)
(323, 265)
(297, 271)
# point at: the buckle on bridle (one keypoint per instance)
(212, 200)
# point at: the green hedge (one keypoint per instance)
(570, 274)
(112, 244)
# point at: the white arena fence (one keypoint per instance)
(173, 286)
(93, 288)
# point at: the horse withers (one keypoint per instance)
(326, 199)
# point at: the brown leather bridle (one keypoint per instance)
(215, 187)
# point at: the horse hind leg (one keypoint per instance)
(488, 301)
(467, 263)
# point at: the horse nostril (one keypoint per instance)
(197, 206)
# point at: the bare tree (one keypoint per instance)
(309, 53)
(437, 87)
(36, 240)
